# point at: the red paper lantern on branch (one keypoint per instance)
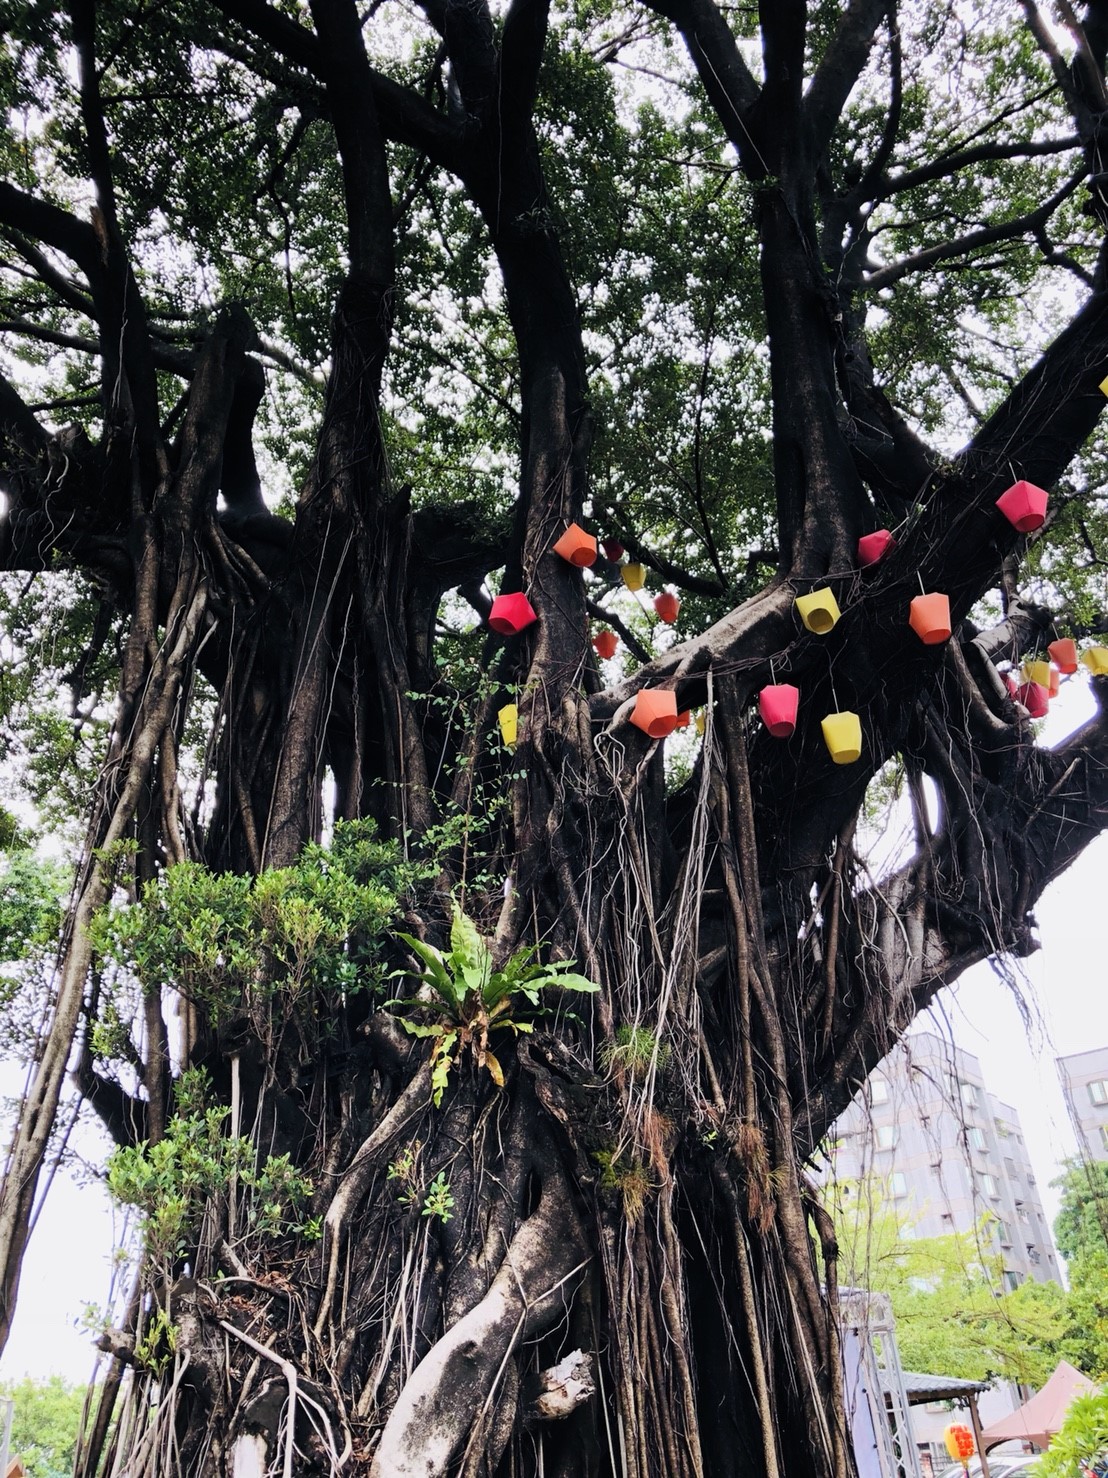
(511, 613)
(667, 605)
(605, 643)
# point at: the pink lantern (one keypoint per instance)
(777, 704)
(1035, 698)
(872, 547)
(1024, 506)
(612, 548)
(655, 712)
(511, 613)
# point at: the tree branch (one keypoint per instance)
(842, 65)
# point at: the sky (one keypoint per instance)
(70, 1261)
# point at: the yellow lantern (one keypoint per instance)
(1037, 672)
(508, 718)
(842, 733)
(819, 611)
(1096, 660)
(634, 576)
(959, 1442)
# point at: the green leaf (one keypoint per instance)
(469, 954)
(435, 972)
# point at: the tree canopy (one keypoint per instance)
(321, 324)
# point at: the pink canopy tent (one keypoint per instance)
(1037, 1420)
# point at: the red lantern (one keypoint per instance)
(871, 547)
(1024, 506)
(667, 605)
(1035, 698)
(605, 643)
(1010, 684)
(1063, 653)
(684, 718)
(511, 613)
(577, 547)
(929, 618)
(777, 706)
(655, 712)
(1055, 682)
(613, 549)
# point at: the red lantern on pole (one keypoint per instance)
(667, 605)
(1024, 506)
(605, 643)
(511, 613)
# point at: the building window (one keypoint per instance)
(992, 1190)
(1104, 1135)
(977, 1138)
(969, 1094)
(878, 1090)
(1098, 1091)
(898, 1183)
(886, 1136)
(1012, 1280)
(1001, 1128)
(1003, 1235)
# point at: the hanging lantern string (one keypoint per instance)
(919, 577)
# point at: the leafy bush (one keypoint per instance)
(1082, 1440)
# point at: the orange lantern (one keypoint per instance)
(872, 547)
(612, 548)
(511, 613)
(633, 576)
(667, 605)
(929, 618)
(1024, 506)
(1055, 682)
(605, 643)
(959, 1441)
(1063, 653)
(577, 547)
(655, 712)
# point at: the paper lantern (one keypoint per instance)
(1035, 698)
(511, 613)
(1010, 684)
(1055, 682)
(655, 712)
(929, 618)
(819, 611)
(701, 722)
(959, 1441)
(667, 605)
(842, 733)
(777, 704)
(684, 718)
(872, 547)
(1103, 386)
(1063, 653)
(605, 643)
(1096, 660)
(508, 717)
(1037, 672)
(612, 548)
(633, 576)
(576, 547)
(1024, 506)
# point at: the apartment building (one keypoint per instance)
(1084, 1078)
(948, 1152)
